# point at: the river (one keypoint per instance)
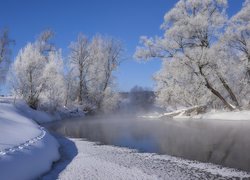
(221, 142)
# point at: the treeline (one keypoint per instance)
(45, 79)
(206, 56)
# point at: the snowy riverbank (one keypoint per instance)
(26, 149)
(220, 115)
(213, 115)
(88, 160)
(29, 150)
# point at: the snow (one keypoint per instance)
(29, 150)
(213, 115)
(36, 115)
(26, 149)
(22, 109)
(219, 115)
(238, 115)
(156, 115)
(88, 160)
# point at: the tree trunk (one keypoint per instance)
(229, 90)
(214, 91)
(80, 87)
(32, 100)
(248, 69)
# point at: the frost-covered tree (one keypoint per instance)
(80, 61)
(37, 74)
(236, 42)
(43, 42)
(5, 52)
(191, 75)
(237, 35)
(105, 56)
(27, 80)
(54, 90)
(93, 63)
(71, 86)
(110, 100)
(175, 88)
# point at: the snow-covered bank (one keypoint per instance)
(238, 115)
(26, 150)
(23, 109)
(95, 161)
(214, 115)
(218, 115)
(40, 116)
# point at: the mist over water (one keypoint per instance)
(221, 142)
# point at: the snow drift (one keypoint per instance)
(26, 150)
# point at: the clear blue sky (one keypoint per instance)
(126, 20)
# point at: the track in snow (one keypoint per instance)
(24, 144)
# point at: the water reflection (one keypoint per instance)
(221, 142)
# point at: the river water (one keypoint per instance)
(225, 143)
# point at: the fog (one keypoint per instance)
(221, 142)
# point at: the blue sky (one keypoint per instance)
(126, 20)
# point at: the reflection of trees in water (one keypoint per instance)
(219, 142)
(224, 143)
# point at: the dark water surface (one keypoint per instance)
(222, 142)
